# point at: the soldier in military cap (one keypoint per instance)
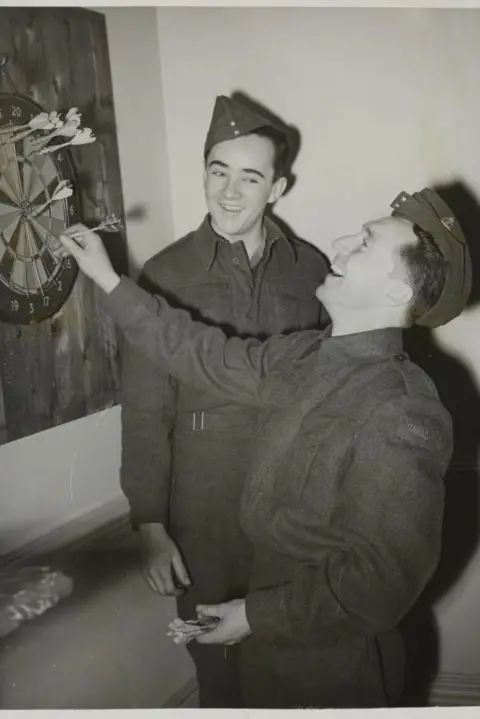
(185, 452)
(344, 497)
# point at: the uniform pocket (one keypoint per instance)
(295, 307)
(207, 301)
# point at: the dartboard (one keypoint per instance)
(34, 284)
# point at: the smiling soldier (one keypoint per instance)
(344, 497)
(185, 452)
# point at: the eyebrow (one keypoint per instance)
(250, 170)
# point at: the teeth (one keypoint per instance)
(231, 209)
(337, 271)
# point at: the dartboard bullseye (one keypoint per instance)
(34, 284)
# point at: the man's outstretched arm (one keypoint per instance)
(192, 352)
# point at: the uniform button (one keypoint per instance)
(401, 357)
(232, 123)
(248, 290)
(235, 261)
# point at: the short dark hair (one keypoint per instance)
(426, 273)
(281, 146)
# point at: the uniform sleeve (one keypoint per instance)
(313, 273)
(193, 353)
(317, 274)
(370, 561)
(148, 399)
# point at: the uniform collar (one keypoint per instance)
(207, 241)
(374, 344)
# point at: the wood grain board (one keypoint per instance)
(66, 367)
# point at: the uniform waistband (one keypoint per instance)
(211, 420)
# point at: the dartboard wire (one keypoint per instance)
(36, 164)
(7, 219)
(17, 172)
(38, 229)
(45, 268)
(11, 227)
(41, 183)
(26, 274)
(12, 231)
(61, 224)
(7, 250)
(27, 169)
(10, 256)
(35, 264)
(2, 238)
(14, 196)
(33, 173)
(8, 214)
(4, 152)
(4, 141)
(45, 246)
(17, 196)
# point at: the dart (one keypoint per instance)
(110, 224)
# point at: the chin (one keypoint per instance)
(322, 291)
(225, 225)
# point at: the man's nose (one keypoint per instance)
(346, 245)
(232, 188)
(343, 245)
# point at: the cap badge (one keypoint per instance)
(448, 222)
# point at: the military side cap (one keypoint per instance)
(427, 210)
(232, 119)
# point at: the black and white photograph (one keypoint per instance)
(239, 357)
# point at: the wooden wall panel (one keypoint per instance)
(66, 367)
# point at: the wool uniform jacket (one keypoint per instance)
(212, 279)
(344, 497)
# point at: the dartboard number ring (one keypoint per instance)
(34, 284)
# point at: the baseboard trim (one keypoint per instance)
(103, 526)
(450, 690)
(183, 698)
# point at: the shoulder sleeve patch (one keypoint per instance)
(415, 432)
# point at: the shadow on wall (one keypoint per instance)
(458, 392)
(294, 139)
(460, 395)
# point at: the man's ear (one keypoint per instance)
(278, 189)
(400, 294)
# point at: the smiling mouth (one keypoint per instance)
(336, 271)
(231, 210)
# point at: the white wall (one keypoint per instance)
(385, 99)
(137, 90)
(59, 475)
(376, 94)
